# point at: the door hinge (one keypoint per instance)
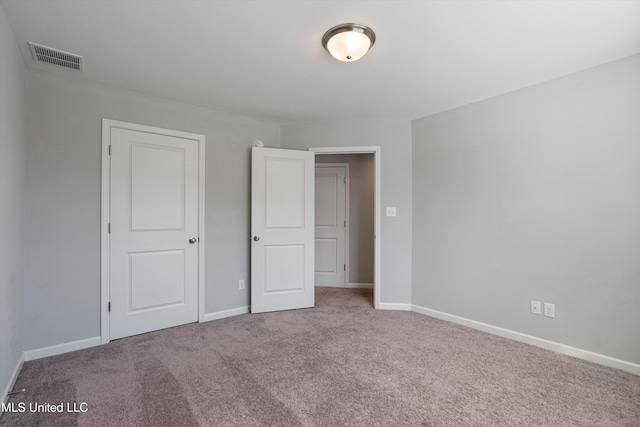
(345, 267)
(109, 228)
(345, 178)
(345, 222)
(109, 150)
(109, 307)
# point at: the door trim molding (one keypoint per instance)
(346, 213)
(377, 254)
(105, 262)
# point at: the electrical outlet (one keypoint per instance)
(241, 284)
(391, 211)
(549, 309)
(535, 307)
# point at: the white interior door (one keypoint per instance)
(153, 232)
(330, 225)
(282, 228)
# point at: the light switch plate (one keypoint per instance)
(549, 309)
(391, 211)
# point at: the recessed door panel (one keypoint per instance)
(156, 279)
(157, 187)
(326, 255)
(284, 268)
(285, 193)
(327, 210)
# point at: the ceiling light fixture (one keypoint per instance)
(348, 42)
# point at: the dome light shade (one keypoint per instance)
(348, 42)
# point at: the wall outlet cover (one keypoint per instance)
(535, 307)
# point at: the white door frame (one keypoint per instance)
(105, 262)
(375, 150)
(346, 212)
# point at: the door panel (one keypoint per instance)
(284, 199)
(154, 213)
(326, 256)
(157, 188)
(327, 191)
(282, 204)
(330, 226)
(284, 268)
(156, 279)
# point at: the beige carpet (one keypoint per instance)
(339, 364)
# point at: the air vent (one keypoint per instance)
(56, 57)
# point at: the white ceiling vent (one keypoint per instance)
(56, 57)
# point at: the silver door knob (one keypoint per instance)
(256, 238)
(193, 240)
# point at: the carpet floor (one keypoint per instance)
(341, 363)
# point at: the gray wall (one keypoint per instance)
(12, 182)
(361, 213)
(536, 195)
(394, 138)
(63, 199)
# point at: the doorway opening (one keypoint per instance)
(347, 219)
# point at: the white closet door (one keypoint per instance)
(154, 232)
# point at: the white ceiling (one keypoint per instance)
(264, 59)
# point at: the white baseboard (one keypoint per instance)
(225, 313)
(54, 350)
(12, 380)
(394, 306)
(579, 353)
(360, 285)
